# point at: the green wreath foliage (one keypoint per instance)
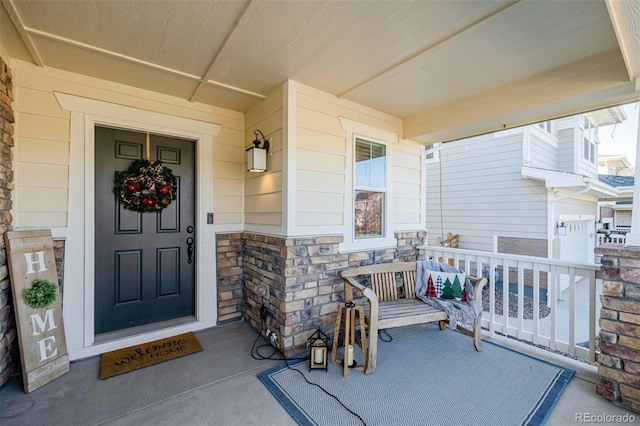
(41, 294)
(145, 186)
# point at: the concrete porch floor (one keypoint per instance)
(218, 386)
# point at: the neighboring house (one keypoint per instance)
(532, 190)
(615, 214)
(617, 165)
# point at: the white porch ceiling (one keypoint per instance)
(449, 68)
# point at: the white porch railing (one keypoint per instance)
(612, 238)
(571, 325)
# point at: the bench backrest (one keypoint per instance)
(383, 282)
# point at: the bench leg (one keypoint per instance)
(348, 340)
(362, 342)
(443, 324)
(477, 337)
(336, 335)
(372, 350)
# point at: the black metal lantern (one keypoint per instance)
(257, 155)
(318, 350)
(561, 228)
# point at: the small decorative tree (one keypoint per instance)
(447, 290)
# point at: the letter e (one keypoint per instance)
(45, 347)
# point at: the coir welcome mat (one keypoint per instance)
(139, 356)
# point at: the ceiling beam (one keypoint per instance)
(28, 32)
(26, 39)
(234, 89)
(625, 17)
(207, 78)
(106, 52)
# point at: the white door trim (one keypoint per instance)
(78, 306)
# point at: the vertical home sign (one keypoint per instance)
(38, 307)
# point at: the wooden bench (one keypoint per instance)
(390, 296)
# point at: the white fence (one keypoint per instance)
(569, 319)
(612, 238)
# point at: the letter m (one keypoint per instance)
(40, 325)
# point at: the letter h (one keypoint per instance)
(31, 262)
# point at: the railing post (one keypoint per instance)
(619, 359)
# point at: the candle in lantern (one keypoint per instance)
(317, 356)
(350, 355)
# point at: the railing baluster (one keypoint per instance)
(520, 299)
(492, 297)
(505, 296)
(592, 316)
(572, 311)
(536, 303)
(553, 285)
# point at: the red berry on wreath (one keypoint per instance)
(132, 187)
(149, 201)
(164, 190)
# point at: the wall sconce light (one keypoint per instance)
(257, 155)
(561, 228)
(318, 351)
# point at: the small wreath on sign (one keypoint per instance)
(41, 294)
(145, 186)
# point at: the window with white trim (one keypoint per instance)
(368, 210)
(547, 126)
(589, 141)
(432, 152)
(370, 187)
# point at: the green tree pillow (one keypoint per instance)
(445, 285)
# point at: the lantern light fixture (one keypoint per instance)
(318, 351)
(257, 155)
(561, 227)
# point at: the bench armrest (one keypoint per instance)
(478, 285)
(351, 284)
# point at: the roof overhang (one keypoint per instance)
(572, 182)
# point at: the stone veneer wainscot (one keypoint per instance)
(619, 358)
(302, 276)
(9, 356)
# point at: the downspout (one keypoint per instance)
(573, 194)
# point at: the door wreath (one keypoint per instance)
(145, 186)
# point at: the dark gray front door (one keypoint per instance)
(144, 271)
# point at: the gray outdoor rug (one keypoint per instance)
(424, 377)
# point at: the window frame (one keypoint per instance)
(356, 130)
(589, 141)
(359, 188)
(432, 152)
